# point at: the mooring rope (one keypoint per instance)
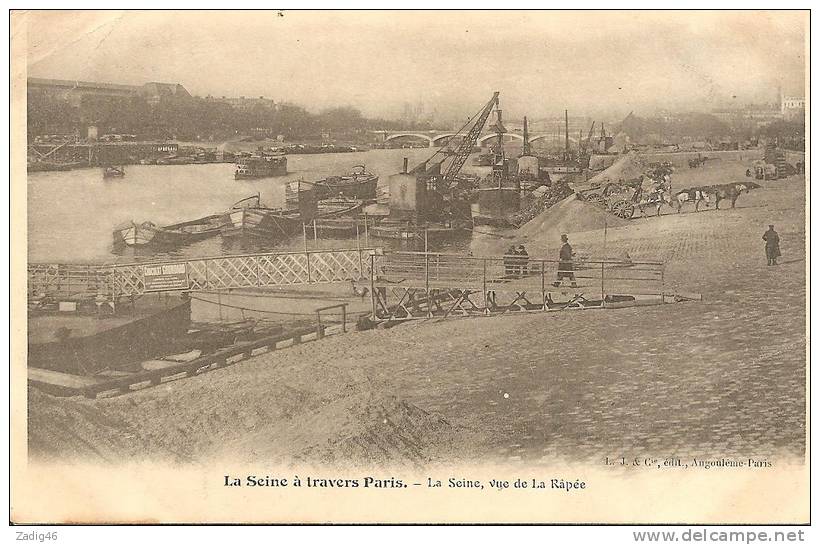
(270, 311)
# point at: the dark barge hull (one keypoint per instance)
(109, 342)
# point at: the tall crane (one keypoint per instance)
(589, 138)
(459, 156)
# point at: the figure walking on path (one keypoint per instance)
(565, 268)
(772, 245)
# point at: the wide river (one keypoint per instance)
(71, 215)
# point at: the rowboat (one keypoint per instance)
(113, 172)
(358, 184)
(177, 234)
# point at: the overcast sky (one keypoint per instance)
(542, 62)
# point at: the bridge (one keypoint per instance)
(438, 138)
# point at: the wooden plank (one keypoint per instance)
(58, 383)
(225, 356)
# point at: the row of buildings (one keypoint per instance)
(787, 108)
(153, 92)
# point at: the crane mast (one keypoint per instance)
(469, 141)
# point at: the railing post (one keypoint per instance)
(307, 256)
(344, 318)
(258, 279)
(427, 282)
(484, 283)
(373, 284)
(663, 283)
(319, 331)
(543, 288)
(602, 282)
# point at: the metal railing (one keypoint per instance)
(209, 273)
(409, 285)
(320, 327)
(435, 270)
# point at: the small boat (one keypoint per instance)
(44, 166)
(178, 234)
(340, 227)
(261, 165)
(175, 160)
(113, 172)
(358, 184)
(249, 218)
(407, 231)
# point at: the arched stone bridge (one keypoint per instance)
(437, 138)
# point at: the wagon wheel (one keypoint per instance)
(597, 199)
(623, 209)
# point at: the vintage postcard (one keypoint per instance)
(410, 266)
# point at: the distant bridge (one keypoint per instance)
(437, 138)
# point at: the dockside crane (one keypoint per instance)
(585, 145)
(441, 182)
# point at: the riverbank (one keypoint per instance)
(719, 378)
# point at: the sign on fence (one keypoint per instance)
(173, 276)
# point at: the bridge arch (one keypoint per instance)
(436, 140)
(409, 134)
(510, 134)
(545, 136)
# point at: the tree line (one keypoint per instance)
(197, 118)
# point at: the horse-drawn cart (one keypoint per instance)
(621, 199)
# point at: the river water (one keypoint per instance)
(71, 215)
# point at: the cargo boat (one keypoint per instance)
(261, 165)
(358, 184)
(249, 218)
(86, 342)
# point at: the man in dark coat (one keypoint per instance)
(509, 261)
(565, 268)
(522, 260)
(772, 245)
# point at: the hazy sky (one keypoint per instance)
(542, 62)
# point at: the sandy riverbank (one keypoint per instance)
(722, 377)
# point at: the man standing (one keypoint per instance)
(565, 268)
(772, 245)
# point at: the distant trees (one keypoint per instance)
(694, 125)
(192, 118)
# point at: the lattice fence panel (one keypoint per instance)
(335, 266)
(128, 280)
(232, 272)
(283, 269)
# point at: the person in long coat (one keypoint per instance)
(565, 267)
(772, 245)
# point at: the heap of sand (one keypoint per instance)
(628, 167)
(571, 215)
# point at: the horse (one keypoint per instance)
(732, 191)
(696, 195)
(655, 198)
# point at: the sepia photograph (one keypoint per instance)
(293, 266)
